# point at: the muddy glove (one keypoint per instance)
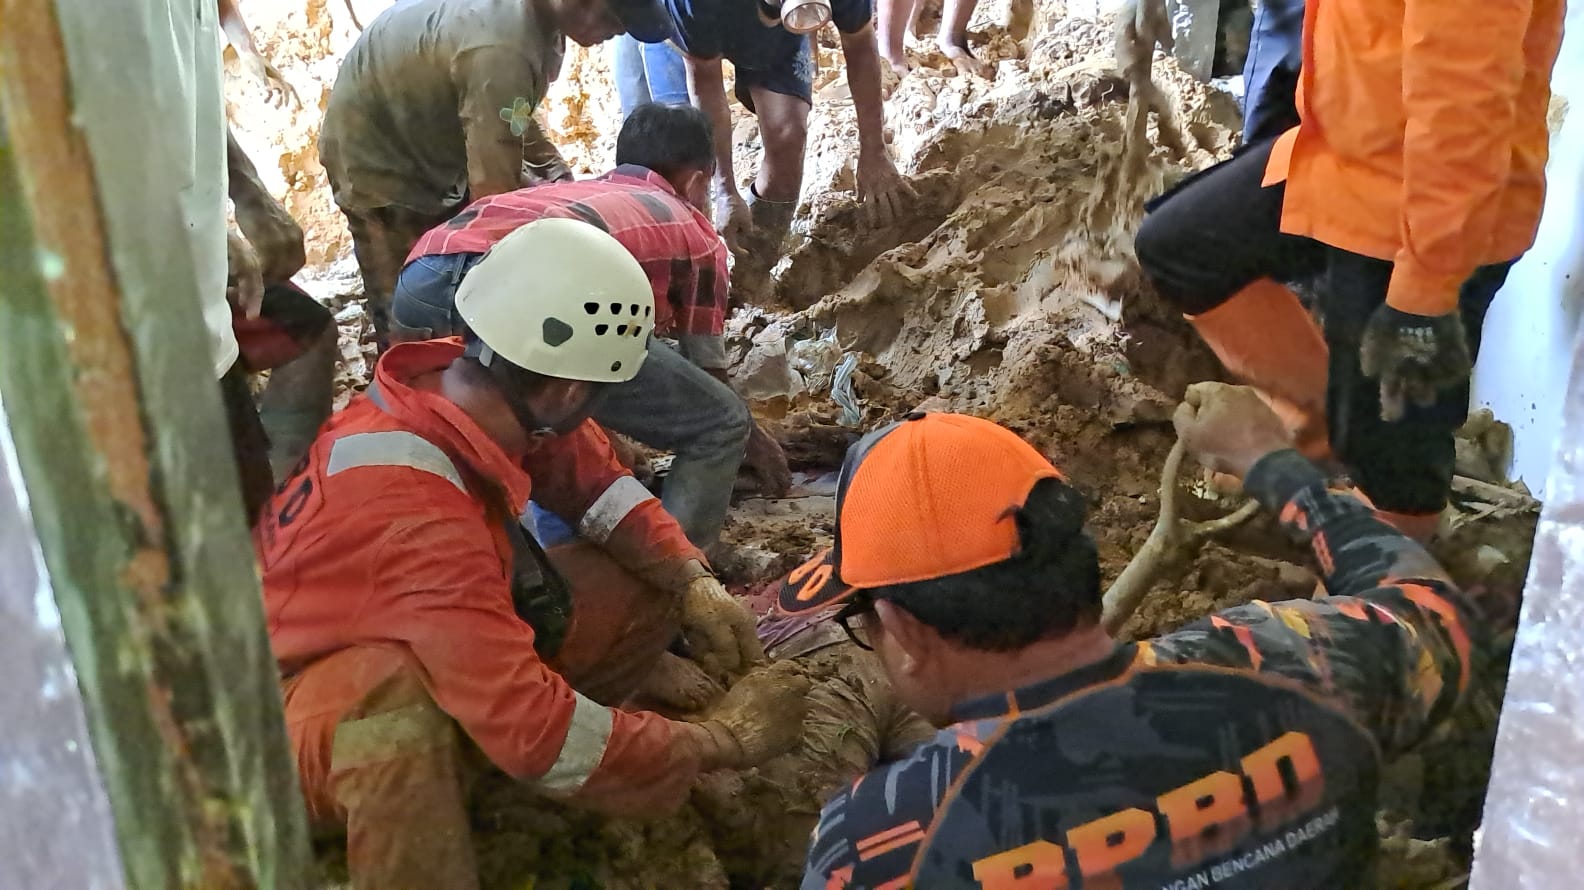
(1414, 357)
(719, 629)
(760, 717)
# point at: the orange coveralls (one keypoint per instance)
(387, 591)
(1423, 136)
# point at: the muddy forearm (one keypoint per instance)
(264, 222)
(708, 87)
(863, 77)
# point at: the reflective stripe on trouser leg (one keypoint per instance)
(611, 507)
(581, 751)
(398, 777)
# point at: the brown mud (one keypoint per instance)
(1008, 290)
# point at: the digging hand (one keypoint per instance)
(680, 684)
(768, 463)
(1228, 428)
(1414, 357)
(719, 629)
(277, 91)
(760, 717)
(1141, 26)
(885, 194)
(244, 280)
(735, 219)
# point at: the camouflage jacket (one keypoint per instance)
(1241, 751)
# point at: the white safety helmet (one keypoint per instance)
(561, 298)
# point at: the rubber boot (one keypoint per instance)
(751, 283)
(1266, 338)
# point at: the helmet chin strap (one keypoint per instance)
(504, 375)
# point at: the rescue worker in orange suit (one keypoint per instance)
(1243, 750)
(417, 630)
(1411, 184)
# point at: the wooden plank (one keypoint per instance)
(116, 418)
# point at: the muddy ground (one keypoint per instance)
(1008, 291)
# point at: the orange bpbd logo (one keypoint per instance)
(1205, 818)
(813, 575)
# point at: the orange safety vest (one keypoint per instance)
(1423, 136)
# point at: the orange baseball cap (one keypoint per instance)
(926, 497)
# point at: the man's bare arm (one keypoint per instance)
(274, 235)
(881, 187)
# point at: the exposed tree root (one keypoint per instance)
(1171, 544)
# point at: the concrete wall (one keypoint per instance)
(1527, 353)
(1530, 836)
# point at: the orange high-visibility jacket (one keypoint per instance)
(379, 538)
(1423, 137)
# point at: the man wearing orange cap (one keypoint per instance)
(1413, 181)
(1241, 751)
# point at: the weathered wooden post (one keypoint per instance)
(116, 452)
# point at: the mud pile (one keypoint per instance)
(1009, 290)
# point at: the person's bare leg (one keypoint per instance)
(891, 18)
(783, 126)
(954, 39)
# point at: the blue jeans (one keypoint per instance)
(672, 405)
(423, 304)
(1270, 75)
(648, 72)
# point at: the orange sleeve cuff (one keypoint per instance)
(1418, 291)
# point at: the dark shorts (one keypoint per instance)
(1220, 230)
(289, 322)
(795, 79)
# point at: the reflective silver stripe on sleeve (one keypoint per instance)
(394, 448)
(586, 738)
(611, 508)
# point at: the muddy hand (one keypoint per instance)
(882, 189)
(719, 629)
(244, 281)
(680, 684)
(1228, 428)
(735, 219)
(768, 463)
(1414, 357)
(1141, 26)
(762, 714)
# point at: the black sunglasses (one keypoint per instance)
(856, 608)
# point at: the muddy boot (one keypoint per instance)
(751, 283)
(1266, 338)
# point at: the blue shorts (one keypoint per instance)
(796, 79)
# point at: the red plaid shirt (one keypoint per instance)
(677, 245)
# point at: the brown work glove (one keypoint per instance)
(1414, 357)
(719, 630)
(760, 717)
(1228, 428)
